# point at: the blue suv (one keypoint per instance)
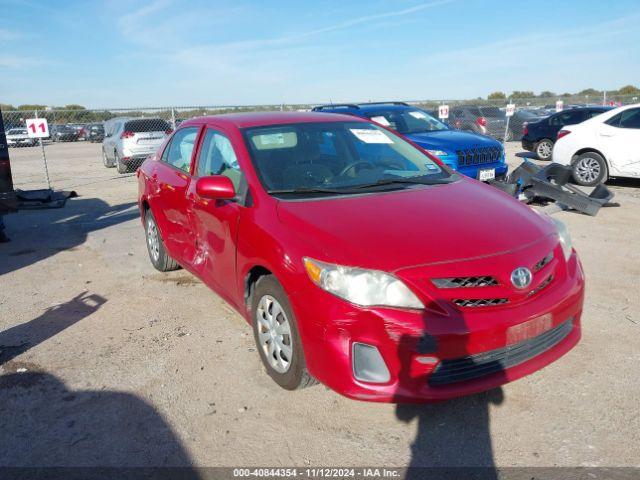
(471, 154)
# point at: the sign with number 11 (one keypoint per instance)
(37, 127)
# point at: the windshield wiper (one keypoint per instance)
(403, 180)
(309, 190)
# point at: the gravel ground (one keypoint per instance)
(105, 361)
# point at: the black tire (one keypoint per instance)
(297, 376)
(544, 149)
(590, 169)
(160, 259)
(122, 168)
(105, 160)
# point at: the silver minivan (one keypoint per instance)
(129, 141)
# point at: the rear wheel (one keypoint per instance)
(544, 149)
(155, 246)
(276, 335)
(589, 169)
(122, 168)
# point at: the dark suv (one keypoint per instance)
(540, 136)
(484, 120)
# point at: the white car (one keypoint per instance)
(17, 137)
(607, 145)
(129, 141)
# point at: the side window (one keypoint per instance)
(614, 121)
(218, 158)
(630, 118)
(595, 113)
(567, 118)
(178, 152)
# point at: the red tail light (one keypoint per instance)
(525, 129)
(127, 134)
(169, 131)
(563, 133)
(458, 124)
(481, 121)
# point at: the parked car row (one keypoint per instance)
(539, 136)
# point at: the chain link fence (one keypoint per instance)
(122, 138)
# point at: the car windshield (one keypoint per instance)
(337, 157)
(17, 131)
(408, 121)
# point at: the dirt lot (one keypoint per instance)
(127, 366)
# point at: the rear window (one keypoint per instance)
(491, 112)
(147, 125)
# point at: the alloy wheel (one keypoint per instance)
(587, 169)
(274, 334)
(545, 149)
(153, 240)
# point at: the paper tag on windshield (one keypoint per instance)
(272, 139)
(417, 114)
(381, 120)
(370, 136)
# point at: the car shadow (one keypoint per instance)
(20, 338)
(453, 437)
(83, 433)
(38, 234)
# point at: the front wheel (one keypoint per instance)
(105, 160)
(155, 246)
(276, 335)
(589, 169)
(544, 149)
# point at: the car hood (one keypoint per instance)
(17, 136)
(451, 140)
(416, 226)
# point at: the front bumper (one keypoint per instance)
(413, 343)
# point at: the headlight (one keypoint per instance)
(565, 238)
(362, 287)
(438, 153)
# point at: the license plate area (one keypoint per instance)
(485, 174)
(529, 329)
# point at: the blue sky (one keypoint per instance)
(169, 52)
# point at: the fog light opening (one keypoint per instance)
(368, 364)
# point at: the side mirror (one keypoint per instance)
(215, 187)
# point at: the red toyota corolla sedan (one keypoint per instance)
(360, 260)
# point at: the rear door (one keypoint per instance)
(215, 223)
(171, 180)
(620, 137)
(570, 117)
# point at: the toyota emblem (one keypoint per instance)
(521, 277)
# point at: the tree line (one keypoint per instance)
(591, 92)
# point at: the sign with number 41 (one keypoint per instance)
(37, 127)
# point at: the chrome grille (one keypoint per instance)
(543, 285)
(465, 282)
(545, 261)
(480, 302)
(478, 156)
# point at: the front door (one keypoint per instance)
(621, 136)
(216, 221)
(171, 208)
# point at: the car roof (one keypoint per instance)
(261, 119)
(363, 108)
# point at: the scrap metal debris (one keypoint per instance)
(532, 183)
